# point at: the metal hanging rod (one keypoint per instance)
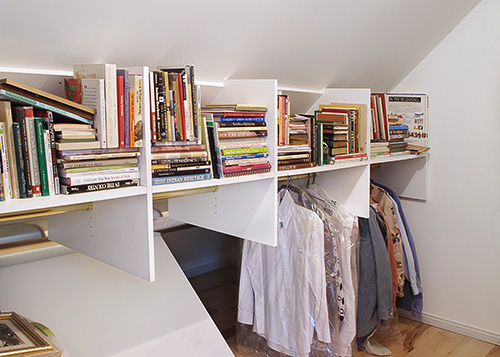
(43, 212)
(185, 192)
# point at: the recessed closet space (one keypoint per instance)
(211, 262)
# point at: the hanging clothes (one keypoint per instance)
(283, 289)
(375, 302)
(380, 200)
(347, 224)
(413, 292)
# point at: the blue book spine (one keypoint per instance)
(180, 179)
(249, 156)
(229, 119)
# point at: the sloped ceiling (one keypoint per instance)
(304, 44)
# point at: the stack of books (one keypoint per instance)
(296, 152)
(239, 137)
(89, 170)
(179, 145)
(379, 148)
(74, 136)
(340, 132)
(397, 138)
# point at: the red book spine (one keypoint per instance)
(181, 103)
(121, 111)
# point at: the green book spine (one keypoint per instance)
(42, 161)
(19, 160)
(242, 151)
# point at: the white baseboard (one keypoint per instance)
(454, 326)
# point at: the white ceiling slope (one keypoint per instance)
(304, 44)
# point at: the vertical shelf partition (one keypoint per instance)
(245, 206)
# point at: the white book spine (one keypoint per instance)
(48, 160)
(5, 164)
(33, 156)
(82, 180)
(108, 73)
(94, 97)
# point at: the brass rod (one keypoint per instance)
(43, 212)
(185, 192)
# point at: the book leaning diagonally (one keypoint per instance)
(108, 73)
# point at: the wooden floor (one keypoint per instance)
(218, 290)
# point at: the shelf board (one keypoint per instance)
(394, 158)
(26, 204)
(210, 183)
(318, 169)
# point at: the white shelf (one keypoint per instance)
(118, 230)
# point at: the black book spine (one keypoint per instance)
(67, 190)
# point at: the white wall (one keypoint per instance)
(457, 230)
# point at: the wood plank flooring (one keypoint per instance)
(218, 290)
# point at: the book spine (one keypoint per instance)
(182, 161)
(295, 166)
(82, 180)
(19, 113)
(93, 96)
(96, 163)
(244, 151)
(249, 156)
(173, 172)
(178, 155)
(6, 117)
(48, 121)
(171, 165)
(68, 190)
(161, 106)
(120, 111)
(33, 154)
(196, 147)
(19, 160)
(131, 132)
(179, 179)
(42, 160)
(126, 105)
(170, 121)
(138, 111)
(48, 162)
(71, 174)
(152, 106)
(5, 164)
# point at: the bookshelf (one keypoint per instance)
(118, 230)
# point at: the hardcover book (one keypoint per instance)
(26, 95)
(6, 117)
(108, 73)
(94, 97)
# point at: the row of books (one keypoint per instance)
(399, 122)
(38, 156)
(116, 94)
(335, 132)
(179, 146)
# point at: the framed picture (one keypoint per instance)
(19, 338)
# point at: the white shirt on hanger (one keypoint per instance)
(283, 289)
